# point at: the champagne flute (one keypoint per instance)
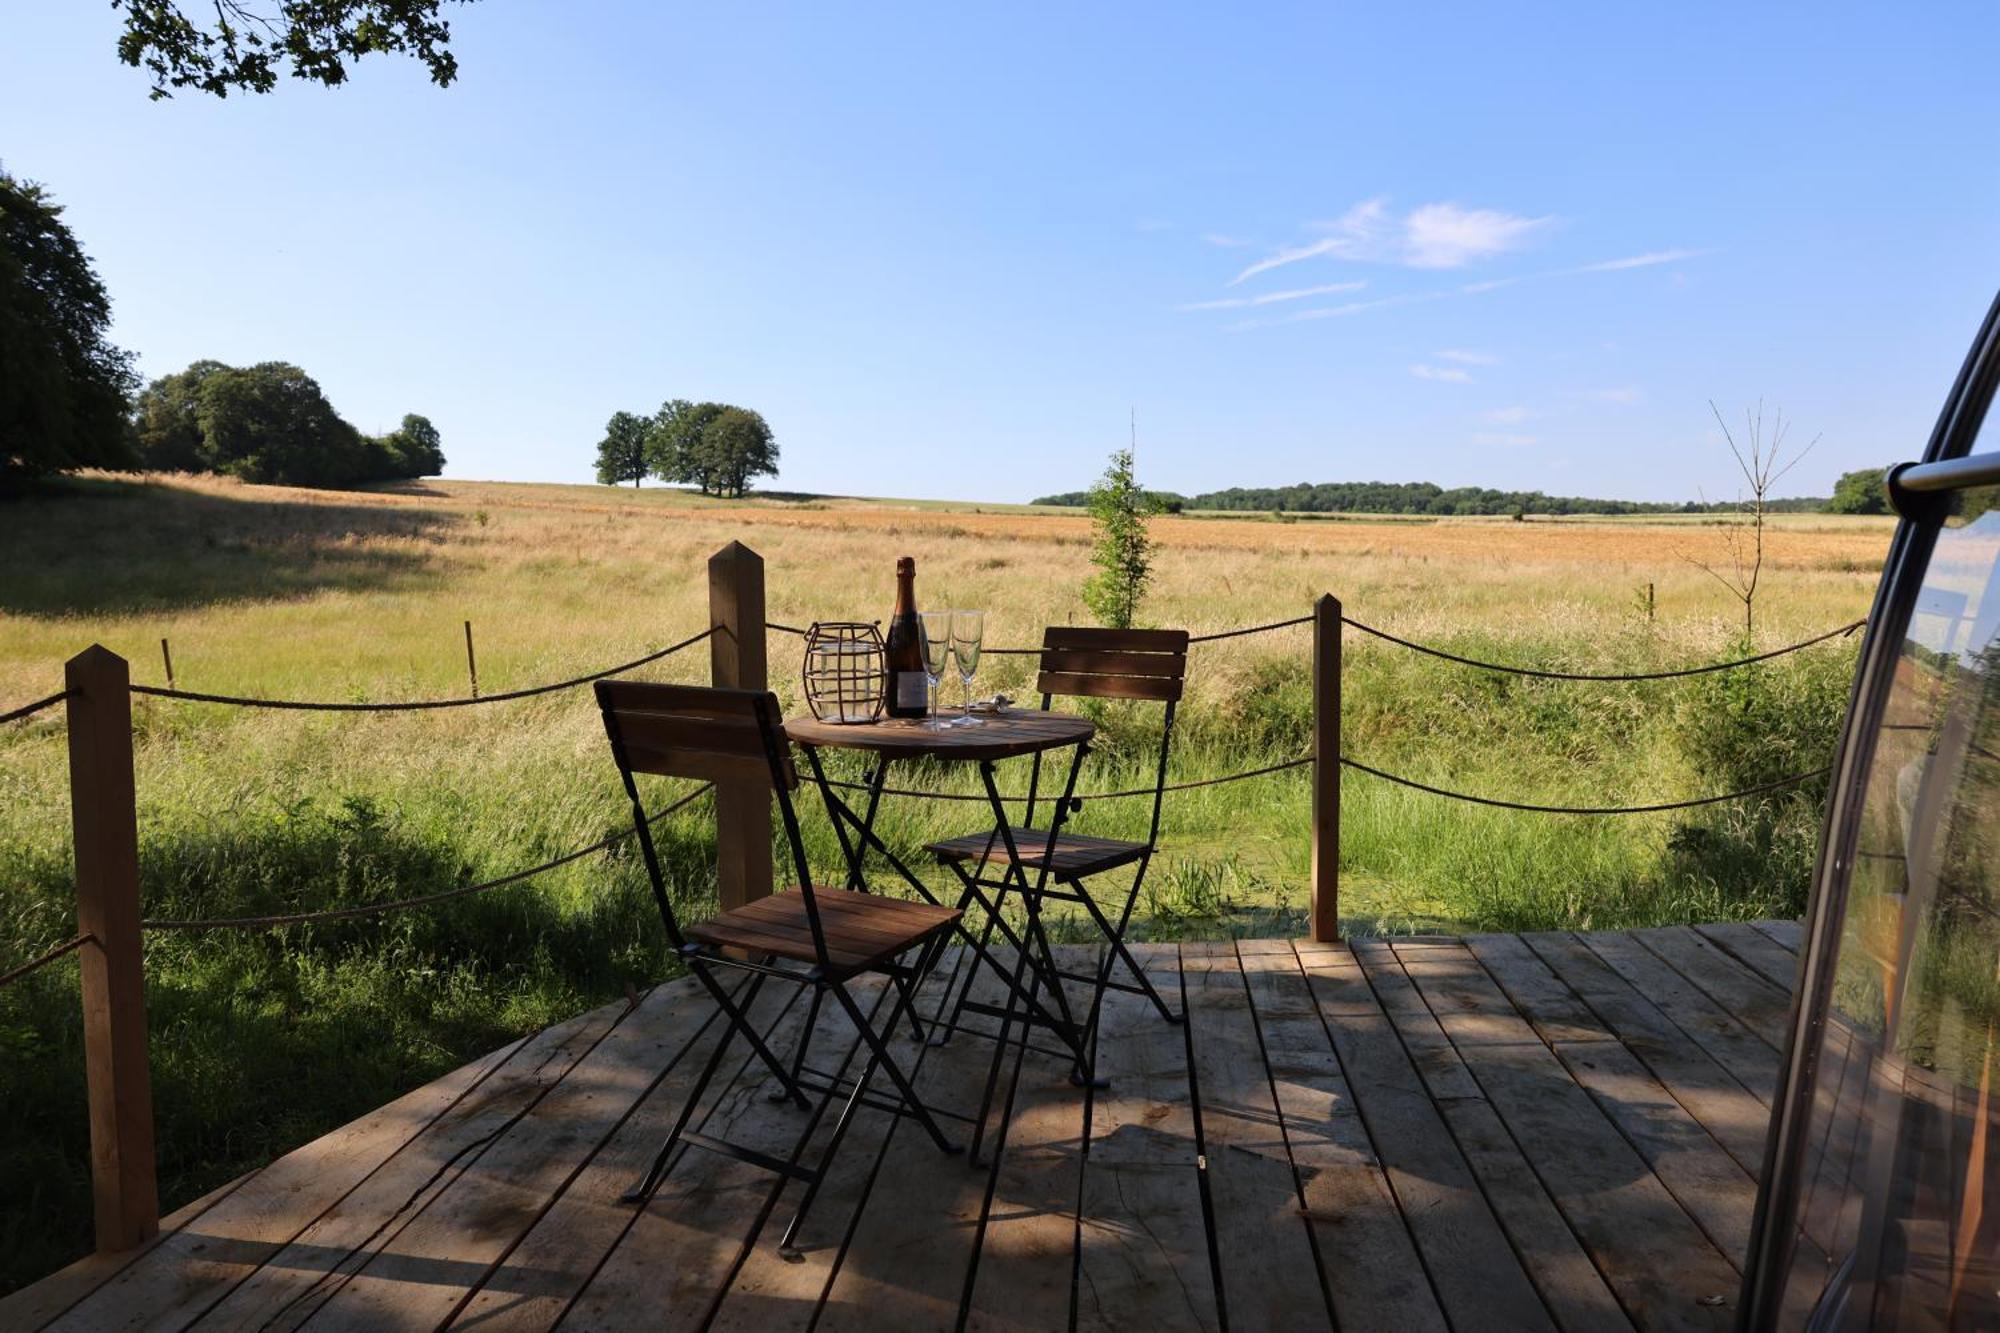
(968, 628)
(937, 657)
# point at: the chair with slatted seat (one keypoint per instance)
(1089, 663)
(810, 936)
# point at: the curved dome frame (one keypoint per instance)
(1922, 493)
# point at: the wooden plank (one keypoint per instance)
(1562, 1272)
(910, 1245)
(290, 1284)
(1556, 1011)
(1367, 1256)
(453, 1245)
(104, 828)
(194, 1266)
(676, 1257)
(1729, 1111)
(1788, 935)
(1113, 662)
(531, 1286)
(1755, 950)
(1716, 1192)
(36, 1304)
(1143, 1242)
(1268, 1268)
(737, 660)
(1755, 1002)
(770, 1291)
(1654, 1257)
(1073, 684)
(1324, 851)
(1028, 1234)
(1094, 637)
(1712, 1027)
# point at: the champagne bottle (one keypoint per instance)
(909, 688)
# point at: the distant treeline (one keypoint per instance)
(1421, 497)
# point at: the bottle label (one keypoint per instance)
(911, 689)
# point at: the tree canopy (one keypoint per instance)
(237, 45)
(1859, 492)
(64, 388)
(713, 446)
(1418, 497)
(735, 446)
(621, 454)
(271, 423)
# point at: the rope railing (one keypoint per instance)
(8, 978)
(1414, 785)
(416, 705)
(1674, 674)
(1372, 771)
(424, 900)
(29, 710)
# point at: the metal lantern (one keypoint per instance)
(846, 671)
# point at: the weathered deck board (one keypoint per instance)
(1651, 1252)
(1142, 1258)
(1554, 1259)
(1445, 1135)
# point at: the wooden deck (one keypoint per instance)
(1548, 1131)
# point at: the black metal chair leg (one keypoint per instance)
(788, 1243)
(741, 1023)
(1000, 1046)
(1116, 939)
(895, 1073)
(784, 1091)
(643, 1191)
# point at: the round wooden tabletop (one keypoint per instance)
(998, 736)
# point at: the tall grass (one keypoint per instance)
(261, 1041)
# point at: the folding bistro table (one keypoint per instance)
(1007, 734)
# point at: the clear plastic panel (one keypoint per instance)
(1898, 1221)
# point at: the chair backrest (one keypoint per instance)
(706, 733)
(1089, 662)
(697, 731)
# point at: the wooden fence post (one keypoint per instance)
(737, 658)
(105, 824)
(1326, 770)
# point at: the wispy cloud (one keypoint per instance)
(1447, 236)
(1501, 438)
(1467, 357)
(1440, 235)
(1153, 224)
(1506, 416)
(1334, 311)
(1443, 374)
(1640, 261)
(1226, 242)
(1272, 298)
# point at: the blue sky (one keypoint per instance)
(945, 249)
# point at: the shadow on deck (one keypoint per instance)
(1552, 1131)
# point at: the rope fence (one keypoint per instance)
(1303, 760)
(67, 947)
(29, 710)
(416, 705)
(1414, 785)
(424, 900)
(1674, 673)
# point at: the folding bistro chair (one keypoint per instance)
(1082, 662)
(817, 937)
